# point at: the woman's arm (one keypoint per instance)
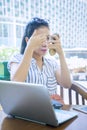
(19, 71)
(62, 75)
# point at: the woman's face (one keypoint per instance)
(44, 47)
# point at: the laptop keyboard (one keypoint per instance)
(63, 115)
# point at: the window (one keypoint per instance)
(18, 31)
(0, 30)
(5, 30)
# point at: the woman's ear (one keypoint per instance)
(26, 39)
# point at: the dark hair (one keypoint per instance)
(35, 23)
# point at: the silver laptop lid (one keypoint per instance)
(27, 101)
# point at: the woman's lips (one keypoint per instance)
(44, 49)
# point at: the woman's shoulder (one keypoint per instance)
(51, 62)
(50, 59)
(16, 58)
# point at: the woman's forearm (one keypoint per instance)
(21, 72)
(64, 72)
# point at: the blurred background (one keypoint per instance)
(66, 17)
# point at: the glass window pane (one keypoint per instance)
(18, 31)
(5, 30)
(0, 29)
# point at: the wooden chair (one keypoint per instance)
(77, 94)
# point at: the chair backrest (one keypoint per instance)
(76, 95)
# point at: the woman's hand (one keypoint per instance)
(36, 40)
(56, 44)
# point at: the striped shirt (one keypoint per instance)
(45, 76)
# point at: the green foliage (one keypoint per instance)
(7, 52)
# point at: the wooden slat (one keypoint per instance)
(70, 96)
(62, 92)
(79, 90)
(83, 101)
(77, 98)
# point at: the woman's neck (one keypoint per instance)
(37, 57)
(39, 60)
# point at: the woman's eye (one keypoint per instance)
(48, 38)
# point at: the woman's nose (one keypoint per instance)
(45, 43)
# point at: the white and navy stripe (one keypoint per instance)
(45, 76)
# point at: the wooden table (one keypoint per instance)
(8, 123)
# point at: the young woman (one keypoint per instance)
(32, 66)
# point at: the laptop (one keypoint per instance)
(31, 102)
